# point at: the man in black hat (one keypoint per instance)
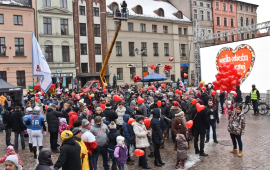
(109, 113)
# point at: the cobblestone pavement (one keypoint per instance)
(256, 150)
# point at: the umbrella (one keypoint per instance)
(153, 77)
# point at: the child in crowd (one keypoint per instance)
(63, 126)
(182, 146)
(10, 151)
(121, 153)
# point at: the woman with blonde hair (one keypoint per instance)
(98, 112)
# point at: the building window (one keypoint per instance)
(218, 35)
(143, 45)
(226, 38)
(98, 67)
(83, 49)
(224, 7)
(179, 15)
(183, 49)
(225, 22)
(241, 21)
(241, 7)
(3, 75)
(20, 78)
(49, 53)
(139, 10)
(63, 3)
(2, 44)
(247, 36)
(242, 36)
(82, 10)
(47, 25)
(195, 3)
(208, 16)
(166, 49)
(65, 54)
(195, 14)
(209, 32)
(168, 74)
(185, 31)
(155, 48)
(180, 31)
(118, 48)
(161, 12)
(202, 32)
(119, 73)
(247, 23)
(246, 8)
(232, 22)
(208, 5)
(96, 12)
(1, 19)
(165, 29)
(251, 9)
(143, 28)
(96, 30)
(202, 15)
(131, 48)
(64, 26)
(231, 7)
(218, 20)
(84, 67)
(156, 70)
(97, 49)
(130, 26)
(232, 37)
(132, 72)
(82, 29)
(116, 24)
(19, 47)
(201, 4)
(17, 19)
(252, 21)
(217, 5)
(46, 2)
(154, 28)
(145, 69)
(253, 35)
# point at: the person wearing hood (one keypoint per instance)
(142, 142)
(204, 97)
(84, 152)
(100, 131)
(112, 135)
(129, 135)
(109, 113)
(165, 111)
(173, 111)
(7, 121)
(45, 160)
(157, 138)
(132, 110)
(70, 153)
(52, 118)
(154, 105)
(9, 102)
(181, 148)
(121, 153)
(63, 126)
(12, 163)
(120, 112)
(184, 104)
(73, 116)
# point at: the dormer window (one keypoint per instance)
(161, 12)
(114, 6)
(139, 10)
(179, 15)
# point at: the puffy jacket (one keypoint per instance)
(100, 132)
(237, 124)
(165, 110)
(89, 140)
(84, 154)
(156, 130)
(163, 123)
(16, 121)
(73, 116)
(184, 106)
(182, 146)
(173, 111)
(178, 127)
(200, 122)
(143, 109)
(112, 138)
(110, 115)
(127, 129)
(70, 154)
(141, 135)
(52, 120)
(120, 113)
(45, 160)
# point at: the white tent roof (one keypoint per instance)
(149, 6)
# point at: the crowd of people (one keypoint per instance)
(97, 123)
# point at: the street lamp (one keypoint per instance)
(4, 49)
(142, 53)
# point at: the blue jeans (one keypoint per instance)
(103, 151)
(214, 131)
(16, 140)
(121, 167)
(221, 105)
(8, 134)
(238, 138)
(111, 153)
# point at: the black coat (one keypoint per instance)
(65, 113)
(153, 106)
(204, 97)
(222, 97)
(69, 158)
(45, 160)
(165, 110)
(112, 135)
(200, 122)
(88, 117)
(52, 120)
(212, 116)
(16, 121)
(110, 115)
(184, 106)
(238, 98)
(156, 130)
(86, 99)
(7, 119)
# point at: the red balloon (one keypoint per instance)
(187, 97)
(46, 107)
(131, 120)
(159, 103)
(231, 78)
(140, 100)
(162, 85)
(138, 152)
(176, 91)
(231, 66)
(189, 124)
(193, 101)
(213, 93)
(185, 75)
(235, 94)
(147, 122)
(73, 95)
(189, 92)
(203, 89)
(171, 59)
(199, 107)
(56, 107)
(119, 98)
(146, 118)
(115, 97)
(141, 90)
(180, 93)
(78, 98)
(234, 72)
(89, 97)
(216, 87)
(201, 84)
(81, 94)
(36, 98)
(221, 68)
(234, 88)
(148, 88)
(224, 88)
(105, 91)
(233, 83)
(238, 76)
(36, 95)
(42, 93)
(221, 91)
(104, 88)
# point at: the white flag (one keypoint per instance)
(40, 66)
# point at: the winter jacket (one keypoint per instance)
(112, 139)
(222, 97)
(127, 129)
(143, 110)
(212, 116)
(52, 118)
(155, 125)
(190, 112)
(95, 115)
(184, 106)
(16, 121)
(121, 154)
(200, 122)
(86, 99)
(141, 135)
(182, 146)
(49, 102)
(178, 127)
(84, 154)
(110, 115)
(204, 97)
(65, 113)
(237, 124)
(63, 127)
(3, 158)
(70, 154)
(120, 113)
(89, 140)
(45, 160)
(163, 123)
(7, 119)
(165, 110)
(238, 98)
(100, 132)
(73, 116)
(103, 106)
(88, 117)
(2, 100)
(153, 106)
(130, 111)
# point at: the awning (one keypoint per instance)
(153, 77)
(37, 86)
(90, 75)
